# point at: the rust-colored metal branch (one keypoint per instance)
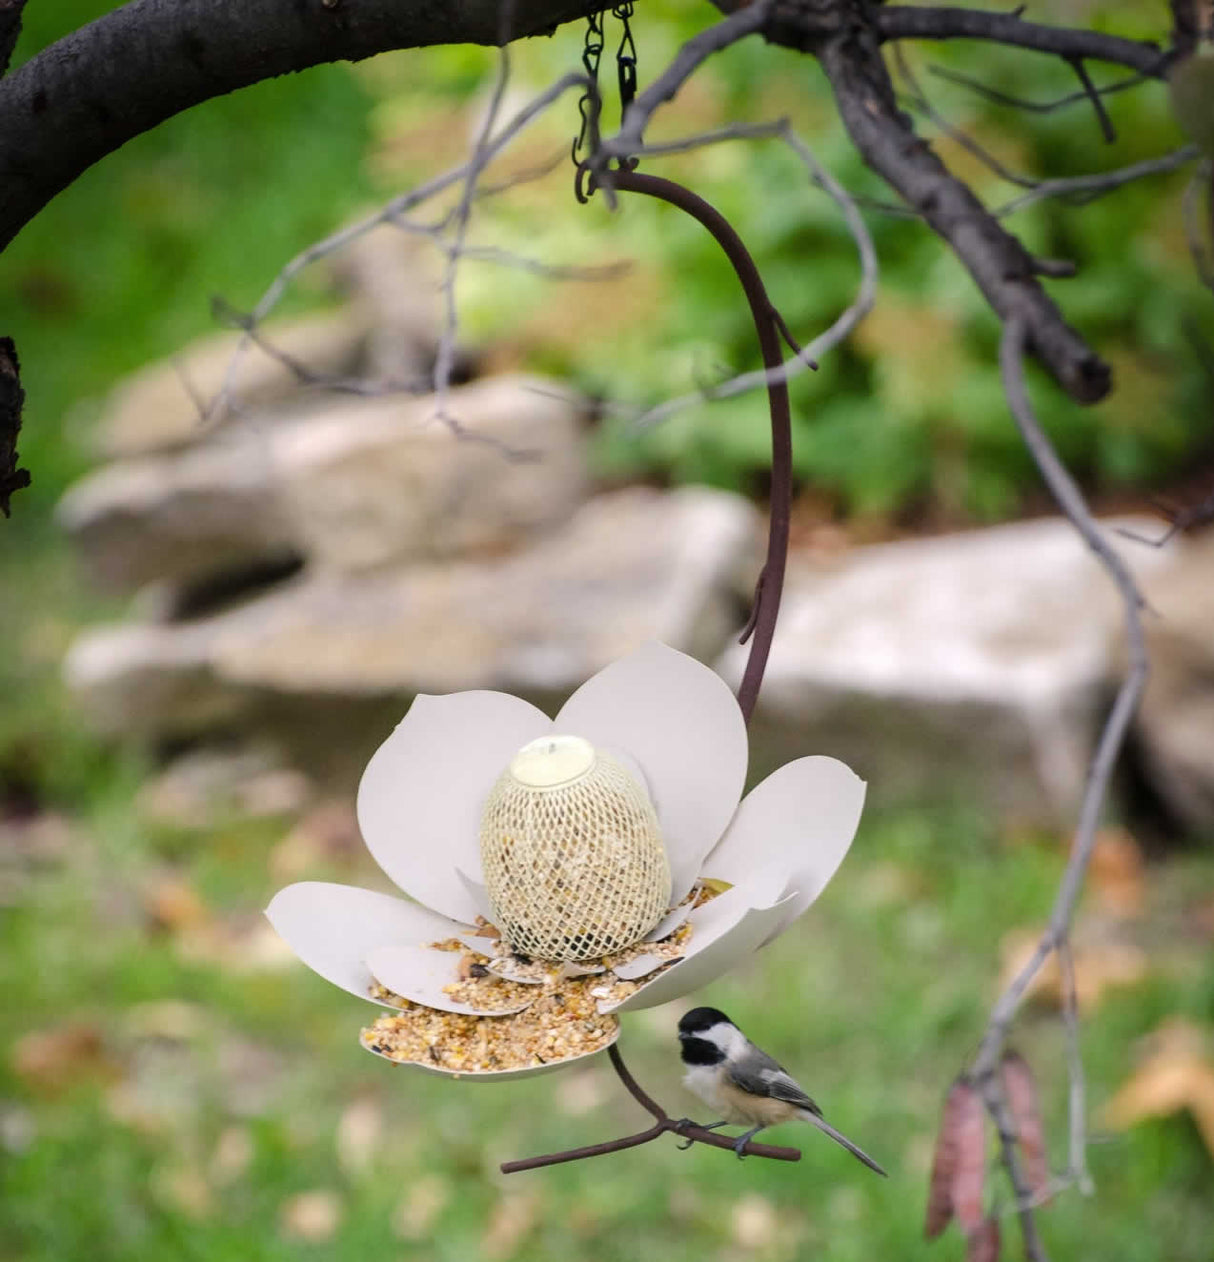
(762, 627)
(664, 1124)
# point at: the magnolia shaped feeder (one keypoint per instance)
(562, 871)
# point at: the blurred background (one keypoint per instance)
(207, 626)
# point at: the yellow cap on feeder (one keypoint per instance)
(571, 852)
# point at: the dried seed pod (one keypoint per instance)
(1023, 1101)
(969, 1173)
(944, 1162)
(983, 1243)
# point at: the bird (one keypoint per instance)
(736, 1078)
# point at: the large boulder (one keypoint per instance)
(350, 483)
(947, 667)
(629, 566)
(1175, 725)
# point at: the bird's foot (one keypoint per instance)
(681, 1125)
(743, 1140)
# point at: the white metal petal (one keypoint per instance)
(333, 928)
(640, 966)
(803, 816)
(669, 923)
(681, 723)
(421, 973)
(420, 800)
(494, 1075)
(723, 931)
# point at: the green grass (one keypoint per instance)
(875, 1000)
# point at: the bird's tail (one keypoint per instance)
(827, 1129)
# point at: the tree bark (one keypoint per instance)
(106, 83)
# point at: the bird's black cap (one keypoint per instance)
(700, 1019)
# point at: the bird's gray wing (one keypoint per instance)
(760, 1075)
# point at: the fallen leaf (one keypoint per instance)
(313, 1216)
(359, 1130)
(1025, 1108)
(326, 836)
(510, 1222)
(172, 905)
(753, 1222)
(50, 1061)
(425, 1200)
(1115, 873)
(233, 1155)
(1100, 963)
(182, 1188)
(1177, 1074)
(969, 1174)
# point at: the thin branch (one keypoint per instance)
(939, 23)
(1077, 1125)
(390, 213)
(1070, 500)
(10, 30)
(1089, 187)
(1196, 222)
(991, 1089)
(12, 400)
(967, 142)
(1107, 129)
(825, 342)
(1034, 107)
(1000, 265)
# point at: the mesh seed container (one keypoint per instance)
(572, 857)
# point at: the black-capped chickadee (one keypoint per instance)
(736, 1078)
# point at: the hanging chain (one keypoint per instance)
(626, 72)
(591, 53)
(626, 59)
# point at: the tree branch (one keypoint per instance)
(115, 78)
(10, 29)
(1001, 266)
(12, 399)
(913, 22)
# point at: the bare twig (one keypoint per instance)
(1107, 129)
(967, 142)
(1077, 1125)
(1086, 188)
(12, 400)
(1196, 222)
(1180, 519)
(10, 30)
(392, 211)
(824, 342)
(999, 264)
(928, 22)
(1070, 500)
(1034, 107)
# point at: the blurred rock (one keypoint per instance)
(630, 566)
(948, 666)
(206, 786)
(163, 406)
(1175, 724)
(353, 483)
